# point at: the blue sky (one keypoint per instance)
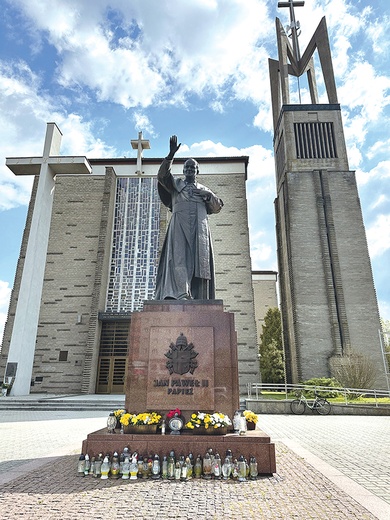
(196, 68)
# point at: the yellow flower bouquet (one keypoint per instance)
(146, 418)
(118, 413)
(251, 418)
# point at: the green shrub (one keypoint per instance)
(330, 382)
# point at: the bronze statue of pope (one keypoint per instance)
(186, 266)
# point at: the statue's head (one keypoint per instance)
(190, 168)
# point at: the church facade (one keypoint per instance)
(105, 231)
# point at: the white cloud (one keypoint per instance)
(369, 96)
(139, 54)
(261, 254)
(127, 78)
(19, 109)
(251, 79)
(379, 148)
(340, 58)
(143, 123)
(380, 171)
(263, 119)
(15, 193)
(382, 199)
(217, 106)
(363, 103)
(353, 151)
(378, 33)
(378, 236)
(79, 139)
(210, 149)
(345, 17)
(261, 163)
(24, 111)
(384, 309)
(132, 53)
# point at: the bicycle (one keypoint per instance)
(320, 405)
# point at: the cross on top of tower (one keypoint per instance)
(140, 144)
(294, 25)
(289, 62)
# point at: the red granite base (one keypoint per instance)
(254, 443)
(210, 386)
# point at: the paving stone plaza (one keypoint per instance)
(333, 467)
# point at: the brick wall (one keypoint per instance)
(68, 284)
(326, 259)
(230, 234)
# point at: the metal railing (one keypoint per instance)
(255, 391)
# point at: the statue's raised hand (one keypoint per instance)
(173, 146)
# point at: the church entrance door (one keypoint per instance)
(112, 358)
(111, 375)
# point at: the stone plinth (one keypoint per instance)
(198, 372)
(255, 443)
(203, 373)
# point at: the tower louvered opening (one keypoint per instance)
(315, 140)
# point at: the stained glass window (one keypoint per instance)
(134, 244)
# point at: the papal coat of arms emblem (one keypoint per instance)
(181, 356)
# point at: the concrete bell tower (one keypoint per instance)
(328, 301)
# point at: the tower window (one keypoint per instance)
(63, 355)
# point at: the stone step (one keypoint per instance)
(58, 404)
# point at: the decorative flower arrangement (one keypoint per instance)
(118, 413)
(250, 416)
(141, 418)
(207, 420)
(6, 388)
(172, 413)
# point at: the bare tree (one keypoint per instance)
(354, 371)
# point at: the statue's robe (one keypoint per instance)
(186, 266)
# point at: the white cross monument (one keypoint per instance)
(22, 346)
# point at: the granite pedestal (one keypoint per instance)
(183, 354)
(161, 373)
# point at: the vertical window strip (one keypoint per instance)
(134, 244)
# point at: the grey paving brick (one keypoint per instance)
(39, 452)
